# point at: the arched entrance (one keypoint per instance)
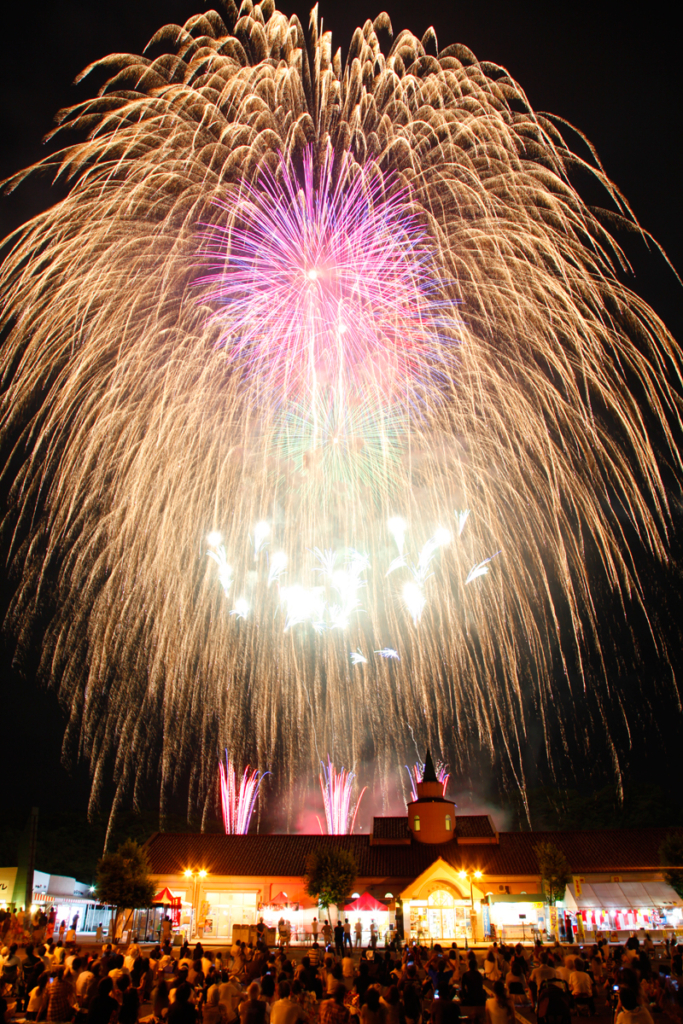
(443, 915)
(441, 918)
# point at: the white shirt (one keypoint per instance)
(580, 984)
(285, 1011)
(641, 1015)
(498, 1014)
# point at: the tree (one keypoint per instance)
(123, 880)
(671, 858)
(554, 869)
(330, 875)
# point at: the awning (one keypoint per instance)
(281, 900)
(365, 902)
(610, 895)
(166, 896)
(662, 895)
(588, 900)
(622, 896)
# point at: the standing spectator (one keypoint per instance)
(347, 932)
(472, 992)
(327, 933)
(358, 931)
(373, 933)
(339, 938)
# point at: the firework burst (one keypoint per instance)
(238, 801)
(289, 304)
(336, 787)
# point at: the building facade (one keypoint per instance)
(439, 876)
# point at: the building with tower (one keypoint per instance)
(436, 874)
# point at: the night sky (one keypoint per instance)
(610, 69)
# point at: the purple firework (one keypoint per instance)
(326, 284)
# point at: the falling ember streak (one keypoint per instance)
(336, 789)
(238, 805)
(283, 301)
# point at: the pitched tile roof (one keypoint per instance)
(170, 853)
(474, 826)
(395, 829)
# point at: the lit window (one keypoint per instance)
(355, 895)
(448, 822)
(416, 823)
(388, 895)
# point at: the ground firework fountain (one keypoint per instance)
(238, 801)
(315, 369)
(336, 786)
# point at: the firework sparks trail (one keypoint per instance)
(339, 300)
(416, 774)
(336, 788)
(238, 804)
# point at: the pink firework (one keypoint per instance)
(336, 789)
(326, 284)
(417, 771)
(238, 806)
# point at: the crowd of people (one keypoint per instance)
(257, 985)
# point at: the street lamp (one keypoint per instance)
(471, 875)
(195, 876)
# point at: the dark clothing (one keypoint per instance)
(101, 1010)
(180, 1012)
(339, 939)
(255, 1012)
(472, 989)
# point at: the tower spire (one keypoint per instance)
(429, 774)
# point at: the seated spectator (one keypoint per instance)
(499, 1009)
(631, 1011)
(332, 1010)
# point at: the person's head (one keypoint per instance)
(58, 973)
(579, 965)
(131, 1005)
(411, 972)
(183, 992)
(13, 949)
(629, 999)
(339, 994)
(393, 996)
(516, 969)
(123, 983)
(253, 991)
(268, 986)
(105, 987)
(490, 957)
(337, 972)
(43, 980)
(283, 989)
(499, 992)
(544, 959)
(372, 1000)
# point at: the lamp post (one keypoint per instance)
(471, 875)
(195, 875)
